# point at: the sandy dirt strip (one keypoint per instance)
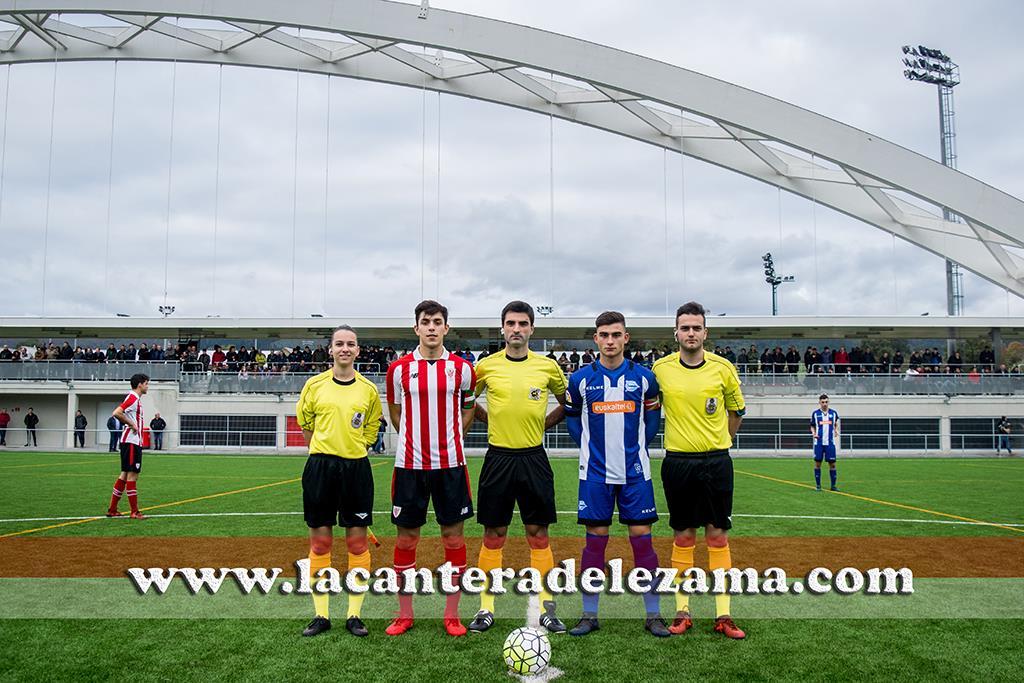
(927, 557)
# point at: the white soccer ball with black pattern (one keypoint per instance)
(527, 651)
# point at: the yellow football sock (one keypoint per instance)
(320, 600)
(543, 560)
(355, 600)
(720, 558)
(682, 560)
(489, 558)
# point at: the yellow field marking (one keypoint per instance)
(884, 502)
(155, 507)
(165, 505)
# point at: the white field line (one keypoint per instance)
(561, 512)
(533, 621)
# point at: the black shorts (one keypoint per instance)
(516, 475)
(698, 489)
(412, 491)
(131, 457)
(337, 490)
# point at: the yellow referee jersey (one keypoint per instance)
(343, 416)
(517, 397)
(696, 401)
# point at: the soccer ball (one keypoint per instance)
(527, 651)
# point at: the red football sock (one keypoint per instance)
(404, 559)
(457, 556)
(115, 498)
(132, 496)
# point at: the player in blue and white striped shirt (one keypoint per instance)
(613, 411)
(825, 431)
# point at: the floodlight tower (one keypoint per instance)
(932, 66)
(774, 280)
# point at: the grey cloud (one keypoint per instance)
(492, 221)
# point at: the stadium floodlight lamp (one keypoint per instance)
(789, 278)
(545, 310)
(165, 309)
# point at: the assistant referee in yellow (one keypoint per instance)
(703, 408)
(516, 468)
(338, 412)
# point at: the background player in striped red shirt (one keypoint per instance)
(129, 414)
(430, 394)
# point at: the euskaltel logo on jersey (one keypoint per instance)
(603, 407)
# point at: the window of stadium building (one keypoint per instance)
(229, 430)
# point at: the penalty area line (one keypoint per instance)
(886, 502)
(152, 507)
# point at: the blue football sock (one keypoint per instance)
(593, 556)
(832, 474)
(817, 477)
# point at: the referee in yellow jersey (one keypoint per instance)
(516, 467)
(703, 408)
(338, 412)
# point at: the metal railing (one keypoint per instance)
(875, 368)
(878, 384)
(68, 370)
(754, 384)
(261, 383)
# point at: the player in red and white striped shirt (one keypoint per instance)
(430, 394)
(129, 414)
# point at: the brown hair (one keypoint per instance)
(610, 318)
(692, 308)
(430, 307)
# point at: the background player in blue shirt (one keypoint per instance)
(613, 411)
(825, 431)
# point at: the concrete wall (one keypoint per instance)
(52, 410)
(56, 402)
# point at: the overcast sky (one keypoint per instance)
(220, 231)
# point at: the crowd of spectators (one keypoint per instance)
(374, 359)
(774, 361)
(65, 352)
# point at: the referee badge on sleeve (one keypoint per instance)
(711, 406)
(357, 421)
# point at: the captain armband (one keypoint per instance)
(468, 400)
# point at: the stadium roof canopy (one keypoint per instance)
(852, 171)
(471, 329)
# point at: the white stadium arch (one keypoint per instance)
(836, 165)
